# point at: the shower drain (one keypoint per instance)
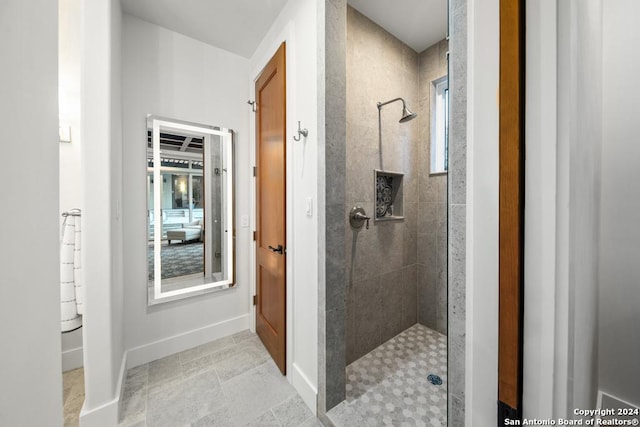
(434, 379)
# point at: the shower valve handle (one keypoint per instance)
(362, 217)
(357, 217)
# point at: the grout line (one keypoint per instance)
(275, 416)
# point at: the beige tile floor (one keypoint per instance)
(228, 382)
(73, 396)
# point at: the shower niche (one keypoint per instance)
(389, 195)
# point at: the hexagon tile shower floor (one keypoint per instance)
(396, 384)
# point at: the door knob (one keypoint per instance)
(278, 250)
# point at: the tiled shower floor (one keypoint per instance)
(389, 385)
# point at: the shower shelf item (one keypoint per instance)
(388, 192)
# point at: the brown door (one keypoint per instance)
(511, 210)
(270, 190)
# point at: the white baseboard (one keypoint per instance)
(102, 416)
(613, 401)
(120, 386)
(108, 414)
(305, 388)
(171, 345)
(72, 359)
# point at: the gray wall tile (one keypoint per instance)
(457, 257)
(456, 375)
(426, 297)
(456, 412)
(335, 267)
(410, 296)
(335, 358)
(390, 309)
(331, 339)
(432, 199)
(379, 68)
(366, 317)
(458, 107)
(457, 209)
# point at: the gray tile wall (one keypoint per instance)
(332, 282)
(432, 202)
(381, 261)
(457, 208)
(338, 279)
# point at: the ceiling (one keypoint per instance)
(237, 26)
(417, 23)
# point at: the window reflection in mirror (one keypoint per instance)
(190, 209)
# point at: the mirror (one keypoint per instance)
(190, 209)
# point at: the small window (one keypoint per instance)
(440, 125)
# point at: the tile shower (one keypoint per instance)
(397, 269)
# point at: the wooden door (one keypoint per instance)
(271, 202)
(511, 210)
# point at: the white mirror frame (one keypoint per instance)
(201, 286)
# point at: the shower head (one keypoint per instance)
(406, 113)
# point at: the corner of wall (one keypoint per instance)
(102, 233)
(108, 414)
(479, 148)
(331, 299)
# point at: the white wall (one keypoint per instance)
(585, 141)
(564, 105)
(540, 213)
(297, 24)
(30, 293)
(171, 75)
(102, 245)
(482, 214)
(70, 33)
(619, 341)
(117, 241)
(69, 94)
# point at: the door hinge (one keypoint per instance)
(254, 171)
(254, 236)
(255, 299)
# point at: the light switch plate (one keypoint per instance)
(309, 208)
(244, 221)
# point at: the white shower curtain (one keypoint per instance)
(71, 289)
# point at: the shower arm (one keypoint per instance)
(382, 104)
